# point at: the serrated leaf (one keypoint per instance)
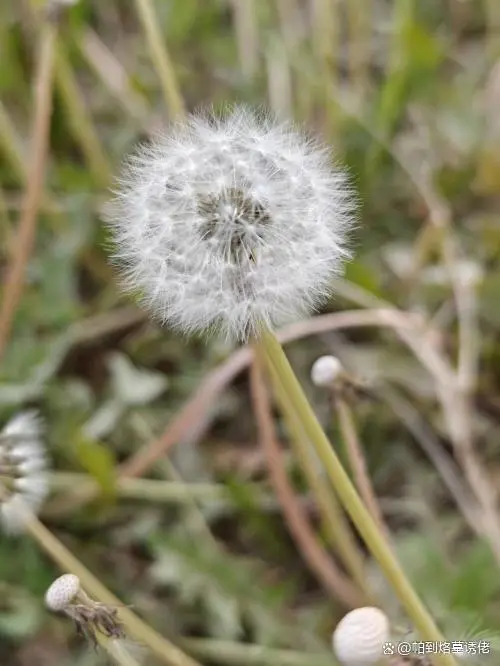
(210, 578)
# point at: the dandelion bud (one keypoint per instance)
(359, 637)
(326, 370)
(230, 224)
(23, 480)
(62, 592)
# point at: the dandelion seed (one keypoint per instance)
(23, 479)
(359, 637)
(127, 651)
(231, 224)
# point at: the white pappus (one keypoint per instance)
(23, 464)
(231, 223)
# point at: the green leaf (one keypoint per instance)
(99, 462)
(22, 616)
(210, 578)
(473, 587)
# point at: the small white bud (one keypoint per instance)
(326, 370)
(62, 592)
(359, 637)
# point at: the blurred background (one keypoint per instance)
(408, 94)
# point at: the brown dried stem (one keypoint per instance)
(40, 140)
(319, 562)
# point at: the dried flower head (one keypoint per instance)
(91, 617)
(326, 370)
(360, 635)
(231, 223)
(62, 592)
(23, 479)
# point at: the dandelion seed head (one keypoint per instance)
(230, 223)
(23, 478)
(62, 592)
(360, 635)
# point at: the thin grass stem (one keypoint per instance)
(10, 145)
(161, 59)
(80, 121)
(357, 462)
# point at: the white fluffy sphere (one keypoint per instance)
(62, 592)
(326, 370)
(230, 224)
(359, 637)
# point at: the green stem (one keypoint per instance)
(142, 632)
(350, 499)
(227, 653)
(167, 492)
(10, 146)
(161, 58)
(326, 42)
(80, 121)
(5, 227)
(336, 527)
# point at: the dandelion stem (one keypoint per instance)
(336, 527)
(142, 632)
(326, 571)
(362, 519)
